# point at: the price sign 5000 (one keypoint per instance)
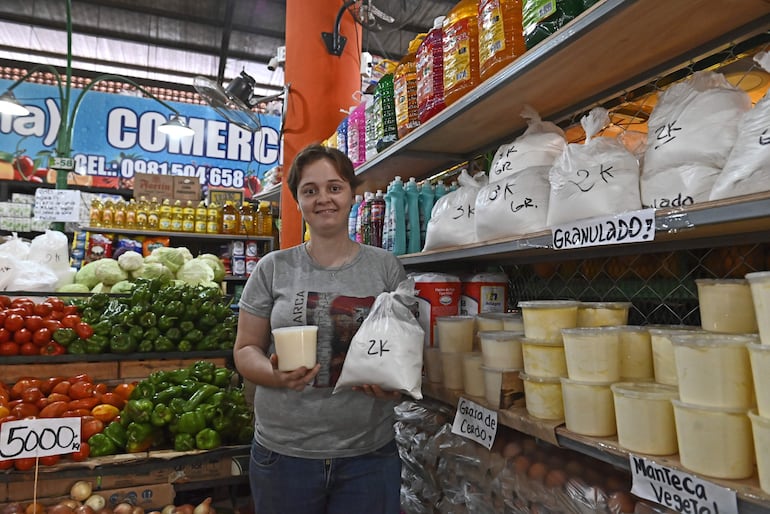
(39, 437)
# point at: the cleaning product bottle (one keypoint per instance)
(353, 217)
(405, 90)
(398, 209)
(360, 217)
(357, 134)
(439, 191)
(453, 186)
(342, 136)
(387, 221)
(164, 215)
(426, 207)
(200, 217)
(177, 216)
(371, 127)
(412, 216)
(461, 50)
(377, 218)
(501, 35)
(385, 112)
(430, 73)
(188, 217)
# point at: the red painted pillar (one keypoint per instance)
(321, 85)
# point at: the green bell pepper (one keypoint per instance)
(165, 323)
(177, 405)
(178, 376)
(64, 336)
(208, 439)
(139, 410)
(97, 344)
(164, 344)
(186, 326)
(143, 390)
(140, 436)
(222, 377)
(98, 301)
(123, 343)
(184, 442)
(148, 319)
(102, 328)
(173, 334)
(145, 346)
(174, 308)
(77, 347)
(165, 396)
(203, 371)
(90, 316)
(101, 445)
(162, 415)
(136, 332)
(191, 422)
(205, 391)
(117, 433)
(185, 345)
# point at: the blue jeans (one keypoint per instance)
(368, 484)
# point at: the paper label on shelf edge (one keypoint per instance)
(39, 437)
(57, 204)
(628, 227)
(61, 163)
(475, 422)
(678, 490)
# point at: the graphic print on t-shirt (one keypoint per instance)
(338, 318)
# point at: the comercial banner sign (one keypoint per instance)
(115, 137)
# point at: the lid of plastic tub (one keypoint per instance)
(501, 370)
(500, 315)
(457, 318)
(709, 408)
(668, 329)
(578, 331)
(501, 335)
(758, 276)
(572, 381)
(297, 328)
(605, 305)
(720, 281)
(759, 420)
(758, 347)
(632, 328)
(548, 304)
(645, 390)
(540, 342)
(541, 380)
(712, 339)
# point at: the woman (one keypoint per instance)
(315, 452)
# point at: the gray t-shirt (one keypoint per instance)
(289, 288)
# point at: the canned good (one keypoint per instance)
(239, 266)
(251, 263)
(238, 248)
(251, 249)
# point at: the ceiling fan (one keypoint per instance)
(236, 102)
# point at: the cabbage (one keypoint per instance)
(188, 256)
(130, 261)
(172, 258)
(101, 288)
(212, 285)
(196, 271)
(152, 270)
(216, 265)
(109, 272)
(73, 288)
(124, 286)
(87, 275)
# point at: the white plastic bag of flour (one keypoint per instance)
(695, 123)
(747, 169)
(452, 220)
(539, 145)
(598, 178)
(387, 348)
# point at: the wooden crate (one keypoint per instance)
(99, 371)
(137, 370)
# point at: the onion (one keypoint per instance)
(96, 502)
(203, 507)
(137, 510)
(69, 502)
(80, 490)
(35, 508)
(184, 509)
(168, 509)
(123, 508)
(13, 508)
(60, 508)
(84, 509)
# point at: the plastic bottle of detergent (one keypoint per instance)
(412, 216)
(405, 90)
(426, 207)
(353, 217)
(430, 73)
(371, 127)
(342, 136)
(385, 112)
(377, 218)
(356, 143)
(362, 218)
(501, 35)
(438, 192)
(387, 222)
(461, 50)
(398, 215)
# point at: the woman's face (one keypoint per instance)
(324, 198)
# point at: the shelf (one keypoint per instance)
(22, 186)
(615, 46)
(751, 499)
(176, 235)
(678, 228)
(110, 357)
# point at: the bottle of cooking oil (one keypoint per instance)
(177, 216)
(130, 221)
(188, 217)
(141, 213)
(501, 35)
(461, 50)
(107, 212)
(200, 217)
(119, 214)
(153, 217)
(265, 219)
(95, 214)
(164, 215)
(231, 218)
(246, 227)
(213, 219)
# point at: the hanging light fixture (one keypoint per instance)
(176, 127)
(9, 105)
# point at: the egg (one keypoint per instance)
(537, 472)
(512, 449)
(621, 503)
(521, 465)
(556, 479)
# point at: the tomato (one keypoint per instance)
(83, 377)
(3, 314)
(82, 454)
(124, 391)
(5, 301)
(49, 383)
(24, 464)
(41, 337)
(58, 397)
(50, 460)
(22, 336)
(24, 383)
(70, 309)
(29, 349)
(84, 330)
(81, 389)
(70, 320)
(43, 309)
(57, 304)
(25, 410)
(89, 426)
(33, 323)
(52, 324)
(6, 464)
(113, 399)
(5, 335)
(14, 322)
(31, 395)
(62, 387)
(9, 348)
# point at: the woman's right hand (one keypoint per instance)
(297, 379)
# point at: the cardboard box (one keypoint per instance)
(150, 497)
(167, 186)
(187, 188)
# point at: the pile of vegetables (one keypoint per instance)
(156, 317)
(197, 407)
(176, 265)
(95, 403)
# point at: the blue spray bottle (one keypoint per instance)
(412, 216)
(426, 207)
(398, 208)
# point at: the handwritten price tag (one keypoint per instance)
(629, 227)
(475, 422)
(39, 437)
(57, 204)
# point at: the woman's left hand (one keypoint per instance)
(378, 392)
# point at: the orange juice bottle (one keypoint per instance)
(231, 219)
(405, 90)
(501, 35)
(461, 50)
